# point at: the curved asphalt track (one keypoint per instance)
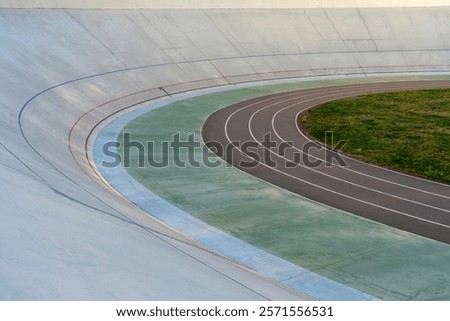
(406, 202)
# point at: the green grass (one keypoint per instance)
(408, 131)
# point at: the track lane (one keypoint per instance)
(403, 201)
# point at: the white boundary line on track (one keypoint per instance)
(318, 186)
(349, 169)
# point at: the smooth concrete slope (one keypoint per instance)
(210, 4)
(64, 233)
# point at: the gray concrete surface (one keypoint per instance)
(217, 4)
(65, 234)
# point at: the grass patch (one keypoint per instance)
(408, 131)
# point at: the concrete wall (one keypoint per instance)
(203, 4)
(63, 234)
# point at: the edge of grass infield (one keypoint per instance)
(386, 129)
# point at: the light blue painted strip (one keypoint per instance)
(289, 274)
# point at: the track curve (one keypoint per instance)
(261, 137)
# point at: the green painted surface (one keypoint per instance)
(368, 256)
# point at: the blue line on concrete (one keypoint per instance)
(289, 274)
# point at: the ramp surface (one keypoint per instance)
(65, 234)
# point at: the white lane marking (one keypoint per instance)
(344, 168)
(319, 172)
(312, 184)
(334, 192)
(362, 173)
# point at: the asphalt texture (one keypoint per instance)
(261, 137)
